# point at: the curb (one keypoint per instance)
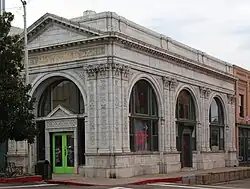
(150, 181)
(65, 182)
(143, 182)
(36, 178)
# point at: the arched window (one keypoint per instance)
(185, 109)
(143, 118)
(64, 93)
(186, 119)
(217, 127)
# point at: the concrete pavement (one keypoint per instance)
(237, 184)
(193, 177)
(35, 185)
(240, 184)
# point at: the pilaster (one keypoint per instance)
(231, 122)
(119, 79)
(91, 139)
(124, 108)
(172, 86)
(166, 133)
(104, 108)
(108, 107)
(204, 134)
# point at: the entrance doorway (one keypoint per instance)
(186, 152)
(186, 127)
(185, 145)
(63, 152)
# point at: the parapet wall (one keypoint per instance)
(110, 21)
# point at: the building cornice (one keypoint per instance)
(142, 46)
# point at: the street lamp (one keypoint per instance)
(26, 63)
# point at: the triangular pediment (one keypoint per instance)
(51, 29)
(60, 111)
(55, 34)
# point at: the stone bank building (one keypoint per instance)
(115, 99)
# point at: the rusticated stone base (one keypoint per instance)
(130, 164)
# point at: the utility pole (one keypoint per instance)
(26, 63)
(25, 42)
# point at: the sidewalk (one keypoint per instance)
(186, 177)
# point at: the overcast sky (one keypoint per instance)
(218, 27)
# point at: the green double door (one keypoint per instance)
(63, 152)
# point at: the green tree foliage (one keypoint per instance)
(16, 106)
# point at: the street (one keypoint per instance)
(241, 184)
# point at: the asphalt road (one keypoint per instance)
(241, 184)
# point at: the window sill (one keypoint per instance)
(124, 153)
(217, 151)
(172, 152)
(141, 153)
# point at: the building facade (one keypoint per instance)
(242, 114)
(115, 99)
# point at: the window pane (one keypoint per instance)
(216, 115)
(248, 149)
(45, 104)
(141, 135)
(155, 127)
(67, 95)
(193, 140)
(214, 139)
(131, 135)
(241, 105)
(154, 104)
(181, 111)
(155, 143)
(141, 97)
(242, 148)
(81, 103)
(185, 106)
(153, 137)
(221, 138)
(214, 112)
(178, 143)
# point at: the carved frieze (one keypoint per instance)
(205, 92)
(103, 69)
(61, 123)
(66, 56)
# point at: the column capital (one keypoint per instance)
(103, 69)
(169, 83)
(173, 84)
(204, 92)
(166, 82)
